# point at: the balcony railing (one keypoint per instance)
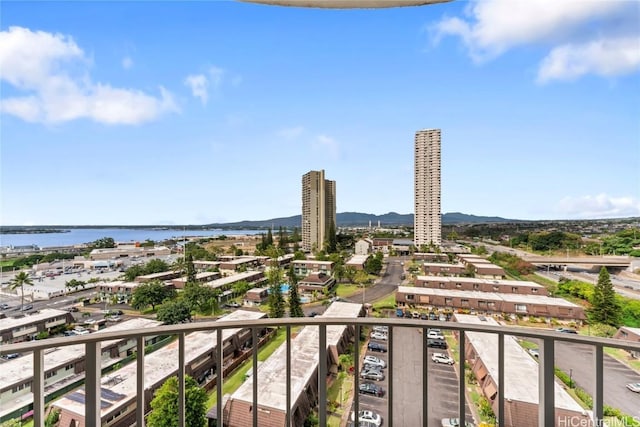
(546, 376)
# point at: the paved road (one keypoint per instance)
(388, 283)
(579, 359)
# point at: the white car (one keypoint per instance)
(378, 336)
(433, 335)
(372, 375)
(382, 329)
(376, 361)
(368, 416)
(442, 358)
(634, 387)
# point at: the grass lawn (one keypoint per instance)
(623, 356)
(386, 302)
(233, 381)
(346, 290)
(334, 395)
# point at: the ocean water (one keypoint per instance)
(76, 236)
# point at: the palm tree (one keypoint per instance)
(19, 280)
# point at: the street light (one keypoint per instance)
(570, 378)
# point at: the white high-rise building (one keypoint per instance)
(318, 209)
(427, 216)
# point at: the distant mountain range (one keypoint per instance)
(354, 219)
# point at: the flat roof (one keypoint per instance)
(120, 283)
(272, 373)
(10, 323)
(446, 279)
(159, 365)
(311, 261)
(520, 369)
(161, 274)
(17, 370)
(240, 261)
(357, 260)
(223, 281)
(443, 264)
(489, 296)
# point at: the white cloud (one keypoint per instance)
(327, 144)
(602, 57)
(53, 70)
(209, 83)
(599, 206)
(290, 133)
(199, 85)
(127, 62)
(492, 27)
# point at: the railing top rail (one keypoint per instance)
(186, 328)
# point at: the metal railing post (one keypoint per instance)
(219, 377)
(501, 380)
(181, 378)
(38, 388)
(356, 374)
(546, 383)
(390, 379)
(254, 352)
(425, 377)
(140, 397)
(92, 384)
(322, 376)
(288, 411)
(462, 397)
(598, 391)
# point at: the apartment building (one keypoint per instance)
(482, 285)
(20, 327)
(427, 219)
(318, 209)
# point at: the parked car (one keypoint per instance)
(454, 422)
(372, 375)
(383, 329)
(11, 356)
(27, 307)
(567, 330)
(370, 388)
(424, 316)
(374, 346)
(4, 306)
(373, 360)
(233, 304)
(313, 314)
(368, 416)
(435, 335)
(369, 367)
(534, 352)
(437, 343)
(442, 358)
(634, 387)
(378, 336)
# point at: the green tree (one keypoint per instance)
(103, 243)
(332, 242)
(604, 305)
(150, 294)
(276, 299)
(164, 406)
(299, 255)
(155, 266)
(133, 272)
(295, 309)
(350, 273)
(18, 281)
(174, 312)
(75, 284)
(191, 270)
(198, 296)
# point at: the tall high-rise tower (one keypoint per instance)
(427, 219)
(318, 209)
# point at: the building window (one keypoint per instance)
(448, 301)
(534, 290)
(410, 296)
(496, 289)
(491, 304)
(476, 286)
(464, 302)
(514, 289)
(458, 285)
(441, 285)
(482, 304)
(521, 308)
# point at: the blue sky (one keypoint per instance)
(200, 112)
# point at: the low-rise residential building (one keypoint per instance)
(118, 388)
(482, 267)
(272, 374)
(256, 296)
(629, 334)
(162, 276)
(363, 247)
(381, 245)
(490, 302)
(129, 252)
(521, 397)
(482, 285)
(443, 269)
(357, 261)
(206, 265)
(205, 276)
(430, 257)
(225, 284)
(239, 264)
(25, 327)
(316, 282)
(62, 366)
(304, 267)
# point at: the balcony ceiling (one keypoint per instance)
(346, 4)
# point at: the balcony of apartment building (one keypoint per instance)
(411, 389)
